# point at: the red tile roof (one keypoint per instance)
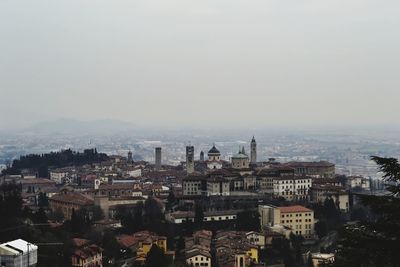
(296, 208)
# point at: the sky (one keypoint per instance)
(200, 62)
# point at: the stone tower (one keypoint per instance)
(189, 159)
(158, 158)
(202, 156)
(130, 158)
(253, 151)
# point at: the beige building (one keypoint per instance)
(320, 169)
(298, 218)
(194, 185)
(321, 192)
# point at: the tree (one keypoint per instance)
(43, 200)
(156, 258)
(171, 200)
(309, 261)
(248, 220)
(321, 228)
(375, 243)
(153, 214)
(198, 214)
(39, 216)
(296, 241)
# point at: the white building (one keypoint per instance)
(58, 176)
(18, 253)
(179, 217)
(198, 257)
(292, 187)
(134, 172)
(214, 159)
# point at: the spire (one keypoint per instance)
(243, 152)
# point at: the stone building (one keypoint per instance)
(189, 159)
(67, 201)
(240, 160)
(158, 158)
(253, 151)
(321, 169)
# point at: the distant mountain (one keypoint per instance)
(77, 127)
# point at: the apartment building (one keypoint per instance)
(298, 218)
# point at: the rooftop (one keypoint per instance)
(292, 209)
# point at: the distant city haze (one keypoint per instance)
(200, 63)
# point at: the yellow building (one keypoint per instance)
(252, 253)
(298, 218)
(141, 243)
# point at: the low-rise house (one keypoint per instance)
(198, 248)
(86, 254)
(198, 257)
(322, 259)
(141, 242)
(256, 238)
(233, 247)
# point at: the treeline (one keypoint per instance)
(41, 163)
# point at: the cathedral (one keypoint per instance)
(238, 161)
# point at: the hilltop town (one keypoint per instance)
(206, 211)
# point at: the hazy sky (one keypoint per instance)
(186, 62)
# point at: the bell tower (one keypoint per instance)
(253, 151)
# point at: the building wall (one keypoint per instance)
(240, 163)
(192, 187)
(301, 223)
(269, 215)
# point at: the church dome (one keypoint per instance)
(214, 150)
(240, 156)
